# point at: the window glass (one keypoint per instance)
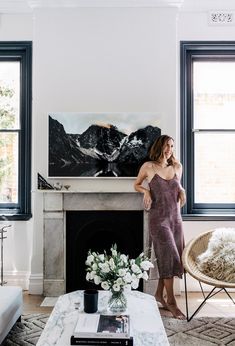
(214, 167)
(214, 94)
(9, 94)
(9, 167)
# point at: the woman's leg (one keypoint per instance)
(171, 302)
(159, 293)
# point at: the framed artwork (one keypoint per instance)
(99, 144)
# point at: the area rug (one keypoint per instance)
(28, 331)
(204, 331)
(49, 301)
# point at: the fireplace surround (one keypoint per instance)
(57, 206)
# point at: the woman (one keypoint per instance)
(163, 200)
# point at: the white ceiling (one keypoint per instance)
(24, 6)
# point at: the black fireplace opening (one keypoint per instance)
(98, 231)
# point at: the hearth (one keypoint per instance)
(98, 230)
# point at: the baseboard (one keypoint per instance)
(36, 284)
(19, 278)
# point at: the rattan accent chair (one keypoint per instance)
(192, 250)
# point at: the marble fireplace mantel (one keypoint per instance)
(55, 205)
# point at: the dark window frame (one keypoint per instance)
(21, 51)
(190, 51)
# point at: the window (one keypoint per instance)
(208, 128)
(15, 130)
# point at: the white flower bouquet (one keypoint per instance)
(116, 272)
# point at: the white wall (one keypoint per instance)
(103, 59)
(16, 27)
(98, 59)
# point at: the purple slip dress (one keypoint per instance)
(165, 226)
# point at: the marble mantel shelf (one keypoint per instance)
(81, 191)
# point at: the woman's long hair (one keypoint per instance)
(156, 151)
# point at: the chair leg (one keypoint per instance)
(186, 294)
(201, 305)
(202, 289)
(229, 295)
(210, 294)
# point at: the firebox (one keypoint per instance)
(98, 231)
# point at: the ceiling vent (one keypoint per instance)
(221, 18)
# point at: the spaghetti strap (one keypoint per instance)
(154, 170)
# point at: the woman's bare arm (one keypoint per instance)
(142, 175)
(182, 194)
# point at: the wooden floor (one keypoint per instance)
(32, 304)
(218, 306)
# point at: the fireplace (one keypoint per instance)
(79, 221)
(98, 230)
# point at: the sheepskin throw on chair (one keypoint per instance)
(218, 261)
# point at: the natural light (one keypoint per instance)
(214, 108)
(9, 124)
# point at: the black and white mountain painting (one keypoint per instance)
(82, 146)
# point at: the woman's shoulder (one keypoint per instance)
(147, 165)
(145, 168)
(178, 169)
(177, 165)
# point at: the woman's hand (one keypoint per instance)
(182, 197)
(147, 200)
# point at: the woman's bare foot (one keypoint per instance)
(162, 302)
(176, 312)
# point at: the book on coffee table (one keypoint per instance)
(101, 341)
(102, 326)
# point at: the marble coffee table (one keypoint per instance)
(145, 321)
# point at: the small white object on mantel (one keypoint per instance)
(146, 325)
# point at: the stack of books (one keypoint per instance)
(96, 329)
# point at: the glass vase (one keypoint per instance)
(117, 302)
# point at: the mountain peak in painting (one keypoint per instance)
(100, 150)
(103, 140)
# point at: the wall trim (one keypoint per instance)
(206, 5)
(17, 278)
(36, 283)
(27, 6)
(103, 3)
